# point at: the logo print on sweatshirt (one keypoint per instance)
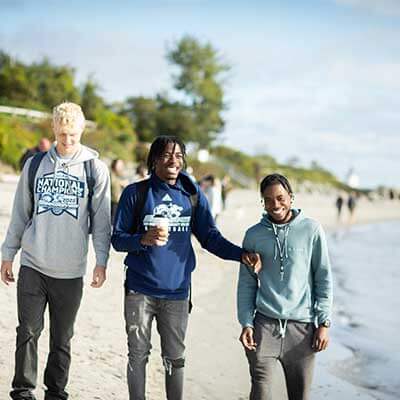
(167, 197)
(59, 193)
(173, 213)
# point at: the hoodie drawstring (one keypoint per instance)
(281, 248)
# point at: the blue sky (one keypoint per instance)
(318, 80)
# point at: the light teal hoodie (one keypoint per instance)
(303, 292)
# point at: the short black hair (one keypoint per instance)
(158, 146)
(275, 179)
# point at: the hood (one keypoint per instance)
(82, 155)
(298, 216)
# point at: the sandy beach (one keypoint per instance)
(216, 366)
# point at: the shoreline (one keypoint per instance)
(216, 365)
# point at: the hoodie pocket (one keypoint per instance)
(53, 244)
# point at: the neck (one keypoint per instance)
(61, 152)
(170, 181)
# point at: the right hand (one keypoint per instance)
(247, 338)
(252, 260)
(155, 236)
(7, 275)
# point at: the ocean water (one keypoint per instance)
(366, 267)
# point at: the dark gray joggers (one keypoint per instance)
(63, 296)
(293, 351)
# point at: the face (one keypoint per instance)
(44, 144)
(170, 163)
(277, 203)
(119, 167)
(68, 142)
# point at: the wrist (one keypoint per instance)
(325, 324)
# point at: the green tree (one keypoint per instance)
(91, 102)
(142, 112)
(200, 79)
(53, 84)
(15, 85)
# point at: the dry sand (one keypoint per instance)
(216, 366)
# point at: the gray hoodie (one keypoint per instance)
(55, 240)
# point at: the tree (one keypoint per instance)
(15, 85)
(200, 80)
(92, 103)
(142, 112)
(53, 84)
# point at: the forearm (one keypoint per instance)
(246, 296)
(127, 242)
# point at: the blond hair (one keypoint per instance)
(68, 117)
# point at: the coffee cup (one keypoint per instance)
(162, 223)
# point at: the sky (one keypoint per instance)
(317, 80)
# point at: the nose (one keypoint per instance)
(275, 204)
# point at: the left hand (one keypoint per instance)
(321, 339)
(99, 276)
(252, 260)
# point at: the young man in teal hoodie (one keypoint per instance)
(285, 309)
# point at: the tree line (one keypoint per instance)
(195, 117)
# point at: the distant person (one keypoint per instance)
(351, 205)
(141, 172)
(279, 307)
(43, 145)
(391, 194)
(226, 187)
(212, 191)
(339, 205)
(153, 225)
(50, 221)
(118, 183)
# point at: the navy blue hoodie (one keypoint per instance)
(165, 271)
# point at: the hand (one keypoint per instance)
(99, 276)
(252, 260)
(155, 236)
(7, 275)
(321, 339)
(247, 340)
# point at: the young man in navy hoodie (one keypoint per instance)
(160, 262)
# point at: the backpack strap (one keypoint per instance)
(142, 188)
(91, 182)
(32, 171)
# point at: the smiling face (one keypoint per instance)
(170, 163)
(68, 142)
(68, 125)
(277, 203)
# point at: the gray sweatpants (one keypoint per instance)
(293, 351)
(172, 319)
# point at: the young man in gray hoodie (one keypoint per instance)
(51, 226)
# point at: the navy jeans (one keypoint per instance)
(63, 296)
(172, 318)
